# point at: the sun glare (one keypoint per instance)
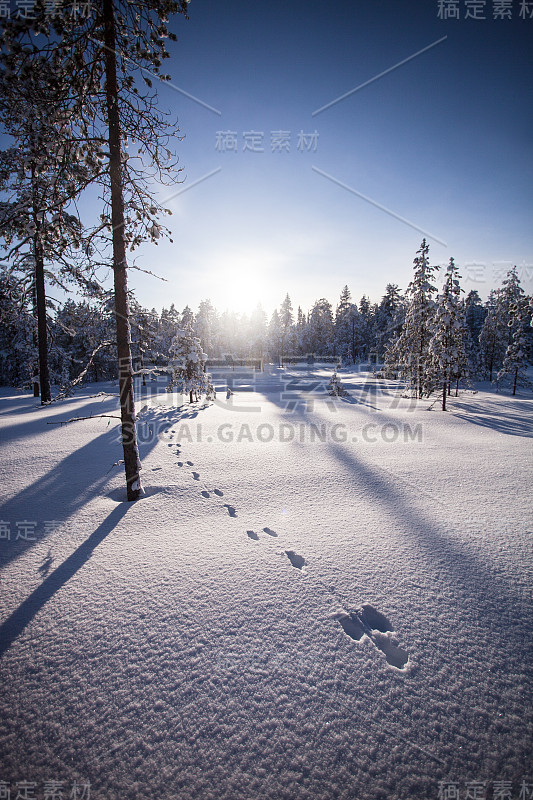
(239, 283)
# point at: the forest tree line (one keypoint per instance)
(422, 325)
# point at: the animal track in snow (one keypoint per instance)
(297, 561)
(218, 493)
(396, 656)
(372, 623)
(205, 494)
(270, 531)
(196, 476)
(190, 464)
(374, 619)
(231, 510)
(351, 624)
(253, 535)
(180, 463)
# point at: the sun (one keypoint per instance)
(240, 282)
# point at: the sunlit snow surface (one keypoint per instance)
(315, 598)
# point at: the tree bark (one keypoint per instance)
(132, 463)
(40, 298)
(35, 340)
(42, 333)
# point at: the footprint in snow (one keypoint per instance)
(297, 561)
(253, 535)
(351, 624)
(180, 463)
(190, 464)
(218, 493)
(205, 494)
(372, 623)
(231, 510)
(270, 531)
(374, 619)
(196, 476)
(396, 656)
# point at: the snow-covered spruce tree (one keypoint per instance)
(40, 175)
(493, 336)
(274, 338)
(17, 346)
(205, 326)
(286, 333)
(169, 322)
(82, 341)
(187, 317)
(366, 325)
(496, 333)
(516, 361)
(348, 325)
(474, 318)
(408, 354)
(103, 57)
(301, 330)
(389, 318)
(321, 331)
(335, 387)
(447, 345)
(145, 353)
(187, 365)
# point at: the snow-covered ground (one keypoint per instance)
(315, 599)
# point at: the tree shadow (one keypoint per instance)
(32, 419)
(514, 418)
(486, 592)
(16, 623)
(62, 492)
(56, 496)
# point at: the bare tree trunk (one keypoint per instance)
(35, 366)
(515, 381)
(444, 387)
(40, 299)
(44, 373)
(132, 463)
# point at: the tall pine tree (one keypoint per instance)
(409, 353)
(101, 59)
(447, 346)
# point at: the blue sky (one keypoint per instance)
(443, 141)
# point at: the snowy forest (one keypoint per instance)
(80, 118)
(429, 333)
(239, 559)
